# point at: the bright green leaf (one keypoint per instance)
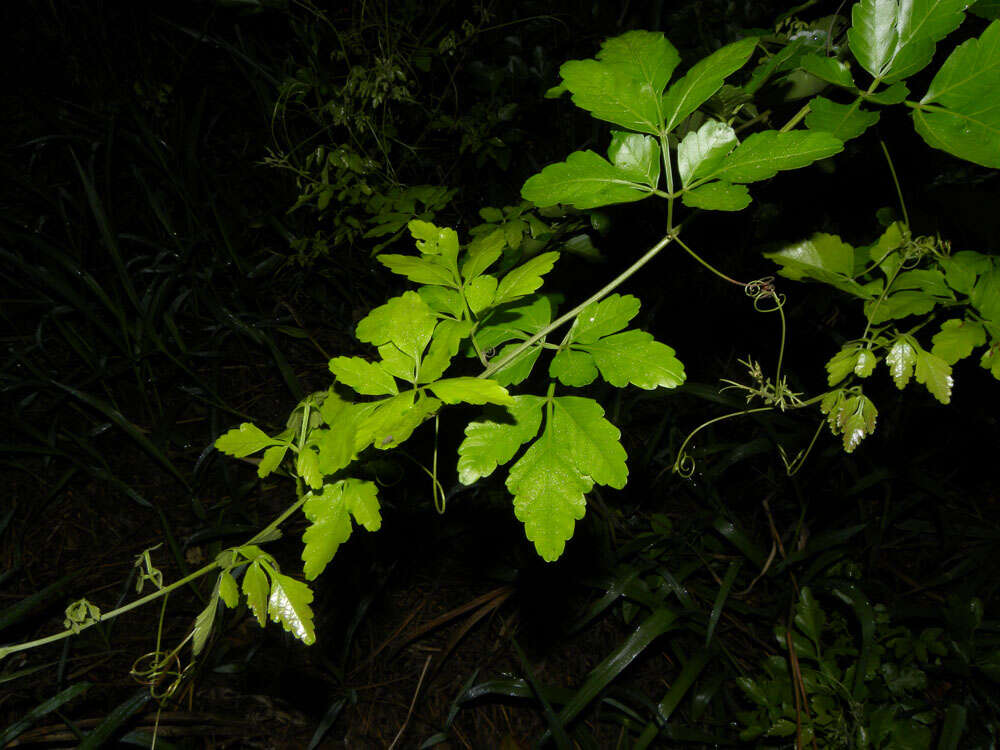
(763, 155)
(573, 368)
(444, 346)
(307, 467)
(406, 321)
(603, 318)
(966, 120)
(487, 253)
(842, 121)
(717, 196)
(367, 378)
(623, 84)
(901, 359)
(962, 268)
(397, 363)
(229, 592)
(203, 624)
(828, 69)
(493, 443)
(518, 369)
(548, 493)
(704, 78)
(703, 150)
(392, 421)
(432, 240)
(479, 292)
(271, 460)
(847, 361)
(418, 270)
(957, 338)
(636, 156)
(441, 300)
(823, 257)
(330, 513)
(244, 440)
(934, 373)
(289, 605)
(582, 430)
(470, 391)
(985, 295)
(584, 180)
(335, 446)
(525, 278)
(255, 587)
(635, 357)
(991, 359)
(899, 305)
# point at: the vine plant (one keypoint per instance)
(560, 444)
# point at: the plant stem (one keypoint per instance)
(595, 297)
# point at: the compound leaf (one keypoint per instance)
(763, 155)
(828, 69)
(229, 592)
(853, 358)
(823, 257)
(493, 443)
(367, 378)
(433, 240)
(584, 180)
(957, 338)
(271, 460)
(330, 512)
(933, 372)
(581, 429)
(289, 605)
(444, 346)
(985, 295)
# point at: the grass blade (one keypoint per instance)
(46, 707)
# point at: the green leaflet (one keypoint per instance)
(448, 337)
(419, 270)
(852, 416)
(957, 338)
(271, 460)
(637, 157)
(367, 378)
(479, 293)
(244, 440)
(573, 368)
(405, 321)
(700, 83)
(256, 588)
(935, 374)
(635, 357)
(330, 513)
(823, 257)
(623, 85)
(899, 305)
(853, 358)
(703, 150)
(901, 359)
(842, 121)
(622, 358)
(440, 300)
(432, 240)
(717, 196)
(577, 449)
(390, 422)
(525, 278)
(494, 442)
(289, 605)
(204, 621)
(603, 318)
(894, 40)
(229, 592)
(307, 467)
(585, 180)
(470, 391)
(763, 155)
(829, 69)
(962, 268)
(960, 112)
(985, 295)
